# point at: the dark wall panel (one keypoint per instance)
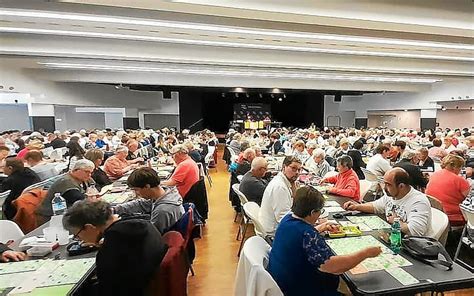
(47, 123)
(428, 123)
(361, 122)
(131, 123)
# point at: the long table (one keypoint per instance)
(382, 283)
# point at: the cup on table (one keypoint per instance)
(49, 234)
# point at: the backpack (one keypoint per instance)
(427, 249)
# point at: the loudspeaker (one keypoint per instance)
(337, 98)
(166, 94)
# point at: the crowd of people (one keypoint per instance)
(412, 168)
(95, 159)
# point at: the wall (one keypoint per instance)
(113, 120)
(455, 118)
(395, 119)
(67, 118)
(14, 117)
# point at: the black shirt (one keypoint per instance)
(101, 179)
(16, 182)
(253, 187)
(416, 176)
(58, 143)
(129, 256)
(358, 163)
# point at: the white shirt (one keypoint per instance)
(378, 165)
(276, 203)
(413, 209)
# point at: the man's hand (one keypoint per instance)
(371, 252)
(350, 206)
(9, 256)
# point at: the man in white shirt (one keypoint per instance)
(277, 197)
(400, 200)
(379, 163)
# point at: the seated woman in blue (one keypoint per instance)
(300, 260)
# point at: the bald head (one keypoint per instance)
(249, 154)
(396, 183)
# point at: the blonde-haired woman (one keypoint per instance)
(450, 188)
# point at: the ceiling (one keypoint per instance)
(298, 44)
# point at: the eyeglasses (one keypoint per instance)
(76, 236)
(295, 169)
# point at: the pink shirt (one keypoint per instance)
(447, 187)
(185, 175)
(113, 167)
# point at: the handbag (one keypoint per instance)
(427, 249)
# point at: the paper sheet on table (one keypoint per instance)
(105, 189)
(333, 209)
(115, 197)
(374, 222)
(402, 276)
(385, 261)
(331, 203)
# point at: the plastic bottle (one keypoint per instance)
(58, 204)
(396, 236)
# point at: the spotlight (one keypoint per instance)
(280, 99)
(272, 95)
(247, 95)
(457, 107)
(452, 98)
(276, 90)
(284, 96)
(459, 98)
(443, 108)
(223, 95)
(260, 95)
(406, 110)
(236, 95)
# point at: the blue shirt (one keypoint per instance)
(100, 143)
(296, 255)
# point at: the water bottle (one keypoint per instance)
(58, 204)
(396, 236)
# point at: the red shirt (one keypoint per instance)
(185, 175)
(447, 187)
(346, 184)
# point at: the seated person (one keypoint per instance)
(317, 164)
(409, 163)
(130, 252)
(379, 164)
(116, 166)
(437, 153)
(343, 148)
(300, 260)
(450, 188)
(132, 146)
(72, 186)
(300, 151)
(186, 173)
(244, 165)
(44, 170)
(253, 183)
(193, 152)
(277, 197)
(346, 183)
(400, 200)
(18, 179)
(397, 150)
(164, 205)
(425, 162)
(356, 155)
(7, 255)
(98, 175)
(4, 152)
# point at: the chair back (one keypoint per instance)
(252, 277)
(171, 277)
(9, 230)
(251, 210)
(26, 205)
(364, 188)
(3, 197)
(468, 214)
(439, 224)
(369, 175)
(435, 203)
(198, 195)
(242, 197)
(210, 154)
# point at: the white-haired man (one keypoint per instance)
(118, 165)
(317, 164)
(72, 187)
(253, 183)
